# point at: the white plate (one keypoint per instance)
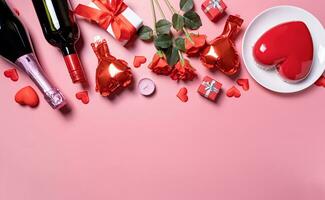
(268, 19)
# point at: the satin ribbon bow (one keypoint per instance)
(214, 4)
(109, 12)
(210, 87)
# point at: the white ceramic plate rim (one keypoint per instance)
(317, 69)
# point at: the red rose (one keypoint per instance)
(159, 65)
(183, 71)
(194, 44)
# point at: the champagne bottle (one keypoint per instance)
(15, 47)
(61, 30)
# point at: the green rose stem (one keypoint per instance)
(173, 11)
(181, 58)
(160, 53)
(170, 6)
(159, 8)
(154, 18)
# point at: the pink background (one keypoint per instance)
(261, 146)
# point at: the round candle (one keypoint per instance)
(146, 86)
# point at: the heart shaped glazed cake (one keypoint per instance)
(288, 48)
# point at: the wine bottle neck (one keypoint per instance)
(73, 64)
(68, 50)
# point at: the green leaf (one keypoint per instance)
(163, 26)
(145, 33)
(172, 55)
(192, 20)
(180, 44)
(178, 22)
(186, 5)
(163, 41)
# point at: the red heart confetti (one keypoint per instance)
(244, 83)
(182, 94)
(27, 96)
(83, 96)
(139, 60)
(12, 74)
(320, 82)
(233, 92)
(16, 11)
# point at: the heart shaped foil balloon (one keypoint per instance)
(112, 75)
(288, 47)
(221, 52)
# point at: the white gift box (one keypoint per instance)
(129, 14)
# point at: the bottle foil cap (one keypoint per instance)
(75, 68)
(55, 98)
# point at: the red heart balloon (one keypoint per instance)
(288, 47)
(182, 94)
(221, 52)
(12, 74)
(27, 96)
(233, 92)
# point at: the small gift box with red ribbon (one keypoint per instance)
(209, 88)
(214, 9)
(112, 15)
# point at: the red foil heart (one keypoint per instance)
(288, 47)
(221, 52)
(112, 75)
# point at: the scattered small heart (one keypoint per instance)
(233, 92)
(83, 97)
(12, 74)
(27, 96)
(182, 94)
(320, 82)
(16, 11)
(139, 60)
(244, 83)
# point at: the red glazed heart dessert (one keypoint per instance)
(289, 48)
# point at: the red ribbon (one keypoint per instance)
(109, 13)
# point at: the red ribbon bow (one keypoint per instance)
(109, 13)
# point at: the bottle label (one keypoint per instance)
(50, 11)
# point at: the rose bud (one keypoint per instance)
(183, 71)
(194, 43)
(159, 64)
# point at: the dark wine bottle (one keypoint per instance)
(61, 30)
(15, 47)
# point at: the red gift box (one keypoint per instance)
(214, 9)
(209, 88)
